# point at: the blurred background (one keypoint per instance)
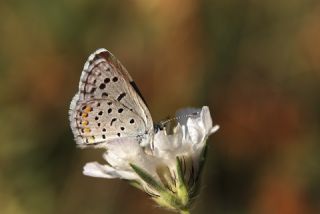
(256, 64)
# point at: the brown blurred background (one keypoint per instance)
(256, 64)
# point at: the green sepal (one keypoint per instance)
(194, 190)
(146, 177)
(202, 160)
(166, 198)
(182, 189)
(135, 184)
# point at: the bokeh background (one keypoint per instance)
(256, 64)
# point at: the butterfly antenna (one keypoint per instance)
(178, 118)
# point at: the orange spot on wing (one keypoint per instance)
(86, 130)
(87, 109)
(91, 139)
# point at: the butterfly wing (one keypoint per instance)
(108, 104)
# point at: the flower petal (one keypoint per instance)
(126, 151)
(123, 151)
(214, 129)
(206, 118)
(95, 169)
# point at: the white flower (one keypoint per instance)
(168, 169)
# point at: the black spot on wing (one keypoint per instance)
(102, 86)
(112, 121)
(122, 95)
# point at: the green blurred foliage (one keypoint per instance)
(255, 63)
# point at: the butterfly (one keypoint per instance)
(108, 105)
